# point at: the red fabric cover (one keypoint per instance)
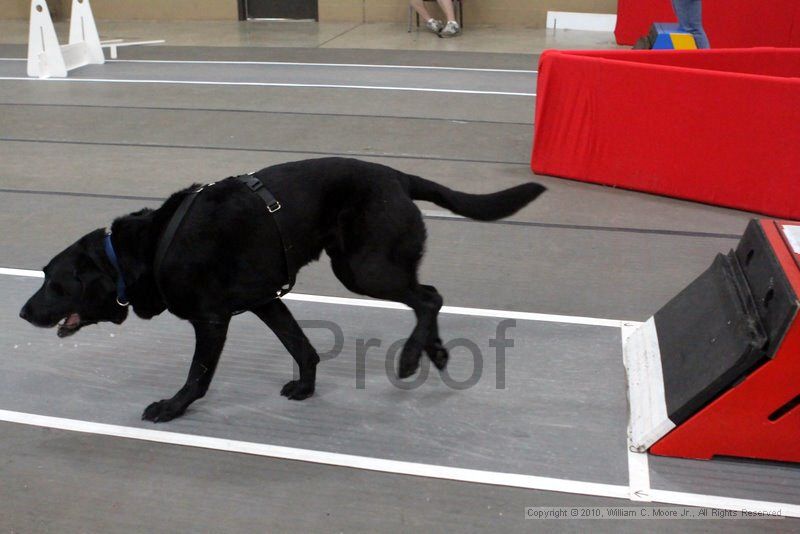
(728, 23)
(715, 126)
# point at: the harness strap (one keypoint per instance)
(169, 234)
(273, 207)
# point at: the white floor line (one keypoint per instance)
(267, 84)
(442, 213)
(300, 64)
(320, 457)
(639, 476)
(21, 272)
(453, 310)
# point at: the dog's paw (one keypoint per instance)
(408, 365)
(438, 354)
(162, 411)
(297, 390)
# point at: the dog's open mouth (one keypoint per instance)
(70, 325)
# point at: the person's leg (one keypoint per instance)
(694, 22)
(431, 23)
(690, 18)
(419, 7)
(447, 7)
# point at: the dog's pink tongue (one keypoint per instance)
(73, 320)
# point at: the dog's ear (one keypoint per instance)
(87, 269)
(98, 286)
(135, 244)
(133, 241)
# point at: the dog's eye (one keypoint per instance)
(57, 289)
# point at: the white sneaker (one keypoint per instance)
(451, 29)
(434, 25)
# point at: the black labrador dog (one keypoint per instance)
(225, 256)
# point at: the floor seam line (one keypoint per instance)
(320, 45)
(266, 112)
(268, 150)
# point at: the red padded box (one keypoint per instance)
(714, 126)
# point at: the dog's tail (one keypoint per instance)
(481, 207)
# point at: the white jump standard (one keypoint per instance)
(46, 58)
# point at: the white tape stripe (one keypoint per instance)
(267, 84)
(453, 310)
(476, 312)
(320, 457)
(21, 272)
(638, 476)
(300, 64)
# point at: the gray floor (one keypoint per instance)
(516, 418)
(77, 154)
(319, 75)
(129, 486)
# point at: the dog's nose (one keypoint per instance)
(24, 313)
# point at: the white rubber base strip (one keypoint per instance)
(647, 403)
(270, 84)
(453, 310)
(638, 465)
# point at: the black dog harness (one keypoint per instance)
(273, 207)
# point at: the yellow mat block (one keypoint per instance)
(683, 41)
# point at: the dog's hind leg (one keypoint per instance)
(426, 303)
(277, 316)
(376, 276)
(376, 252)
(209, 341)
(433, 346)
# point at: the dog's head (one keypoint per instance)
(77, 290)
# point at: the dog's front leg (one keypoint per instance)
(209, 340)
(277, 316)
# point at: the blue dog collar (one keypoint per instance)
(122, 298)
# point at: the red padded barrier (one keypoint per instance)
(714, 126)
(728, 23)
